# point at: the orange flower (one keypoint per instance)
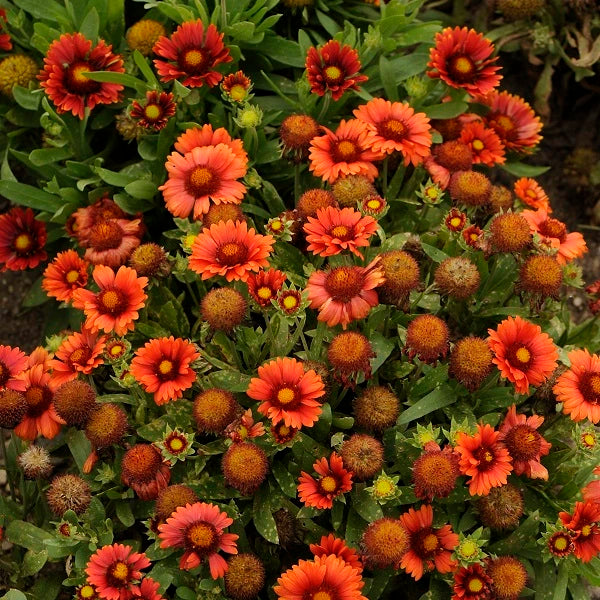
(461, 59)
(485, 144)
(64, 82)
(513, 120)
(591, 492)
(333, 68)
(553, 233)
(41, 417)
(472, 583)
(244, 428)
(199, 137)
(337, 229)
(192, 53)
(231, 250)
(324, 578)
(79, 353)
(334, 480)
(345, 152)
(12, 363)
(579, 387)
(522, 352)
(22, 240)
(429, 547)
(344, 294)
(525, 445)
(264, 285)
(110, 242)
(484, 459)
(204, 174)
(287, 393)
(532, 193)
(162, 367)
(86, 217)
(66, 273)
(114, 307)
(584, 524)
(331, 545)
(395, 127)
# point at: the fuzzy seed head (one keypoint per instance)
(68, 492)
(245, 467)
(384, 542)
(470, 187)
(509, 577)
(223, 308)
(471, 362)
(214, 409)
(74, 402)
(312, 200)
(453, 155)
(427, 338)
(245, 577)
(363, 455)
(510, 232)
(348, 191)
(13, 407)
(376, 409)
(541, 275)
(458, 277)
(402, 276)
(106, 426)
(172, 497)
(501, 508)
(35, 462)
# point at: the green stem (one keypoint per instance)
(193, 294)
(325, 107)
(301, 327)
(5, 462)
(224, 13)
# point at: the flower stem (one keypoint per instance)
(324, 107)
(5, 463)
(224, 13)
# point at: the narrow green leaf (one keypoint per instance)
(124, 514)
(262, 516)
(446, 110)
(388, 79)
(27, 195)
(438, 398)
(44, 156)
(144, 68)
(120, 78)
(519, 169)
(27, 535)
(33, 562)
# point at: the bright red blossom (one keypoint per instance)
(334, 480)
(63, 79)
(12, 363)
(5, 41)
(191, 54)
(329, 544)
(484, 459)
(155, 112)
(22, 240)
(110, 242)
(115, 571)
(66, 273)
(472, 583)
(429, 548)
(485, 144)
(149, 590)
(162, 367)
(584, 524)
(333, 68)
(264, 285)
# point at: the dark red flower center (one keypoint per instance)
(344, 283)
(118, 574)
(341, 232)
(553, 228)
(38, 400)
(106, 235)
(486, 457)
(202, 181)
(461, 67)
(282, 433)
(345, 151)
(202, 538)
(166, 369)
(111, 301)
(392, 129)
(286, 397)
(519, 356)
(328, 485)
(80, 356)
(194, 61)
(76, 82)
(4, 374)
(333, 75)
(23, 244)
(425, 543)
(523, 442)
(232, 253)
(504, 126)
(589, 386)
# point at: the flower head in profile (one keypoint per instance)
(344, 294)
(524, 355)
(524, 443)
(287, 393)
(65, 274)
(154, 113)
(333, 480)
(461, 59)
(484, 459)
(22, 240)
(333, 68)
(115, 306)
(115, 571)
(199, 528)
(13, 362)
(429, 547)
(231, 250)
(162, 367)
(192, 53)
(63, 76)
(583, 524)
(396, 127)
(337, 229)
(331, 545)
(343, 152)
(532, 193)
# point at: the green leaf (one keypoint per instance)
(33, 562)
(142, 188)
(434, 253)
(284, 478)
(283, 51)
(79, 446)
(144, 68)
(446, 110)
(438, 398)
(231, 380)
(46, 10)
(36, 294)
(13, 594)
(120, 78)
(366, 506)
(262, 516)
(388, 79)
(124, 514)
(519, 169)
(330, 26)
(27, 535)
(46, 156)
(112, 178)
(28, 99)
(27, 195)
(90, 25)
(562, 581)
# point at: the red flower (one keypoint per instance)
(461, 58)
(334, 480)
(244, 428)
(525, 445)
(110, 242)
(472, 583)
(584, 524)
(192, 53)
(337, 229)
(484, 459)
(264, 285)
(115, 570)
(114, 307)
(333, 68)
(331, 545)
(149, 590)
(62, 77)
(287, 393)
(156, 112)
(428, 547)
(12, 363)
(5, 41)
(199, 528)
(532, 193)
(22, 240)
(79, 353)
(524, 354)
(65, 274)
(162, 367)
(486, 146)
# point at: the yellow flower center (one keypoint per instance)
(328, 484)
(194, 57)
(589, 439)
(383, 488)
(488, 456)
(594, 383)
(455, 222)
(22, 242)
(116, 350)
(290, 302)
(477, 145)
(276, 225)
(120, 571)
(523, 355)
(188, 240)
(463, 65)
(530, 193)
(346, 149)
(586, 530)
(152, 111)
(285, 395)
(77, 73)
(238, 92)
(201, 177)
(468, 548)
(264, 293)
(340, 231)
(175, 444)
(322, 596)
(333, 73)
(87, 591)
(374, 204)
(475, 585)
(165, 367)
(110, 299)
(72, 276)
(230, 249)
(77, 355)
(201, 535)
(505, 123)
(560, 543)
(284, 430)
(430, 542)
(242, 432)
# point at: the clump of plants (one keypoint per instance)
(306, 312)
